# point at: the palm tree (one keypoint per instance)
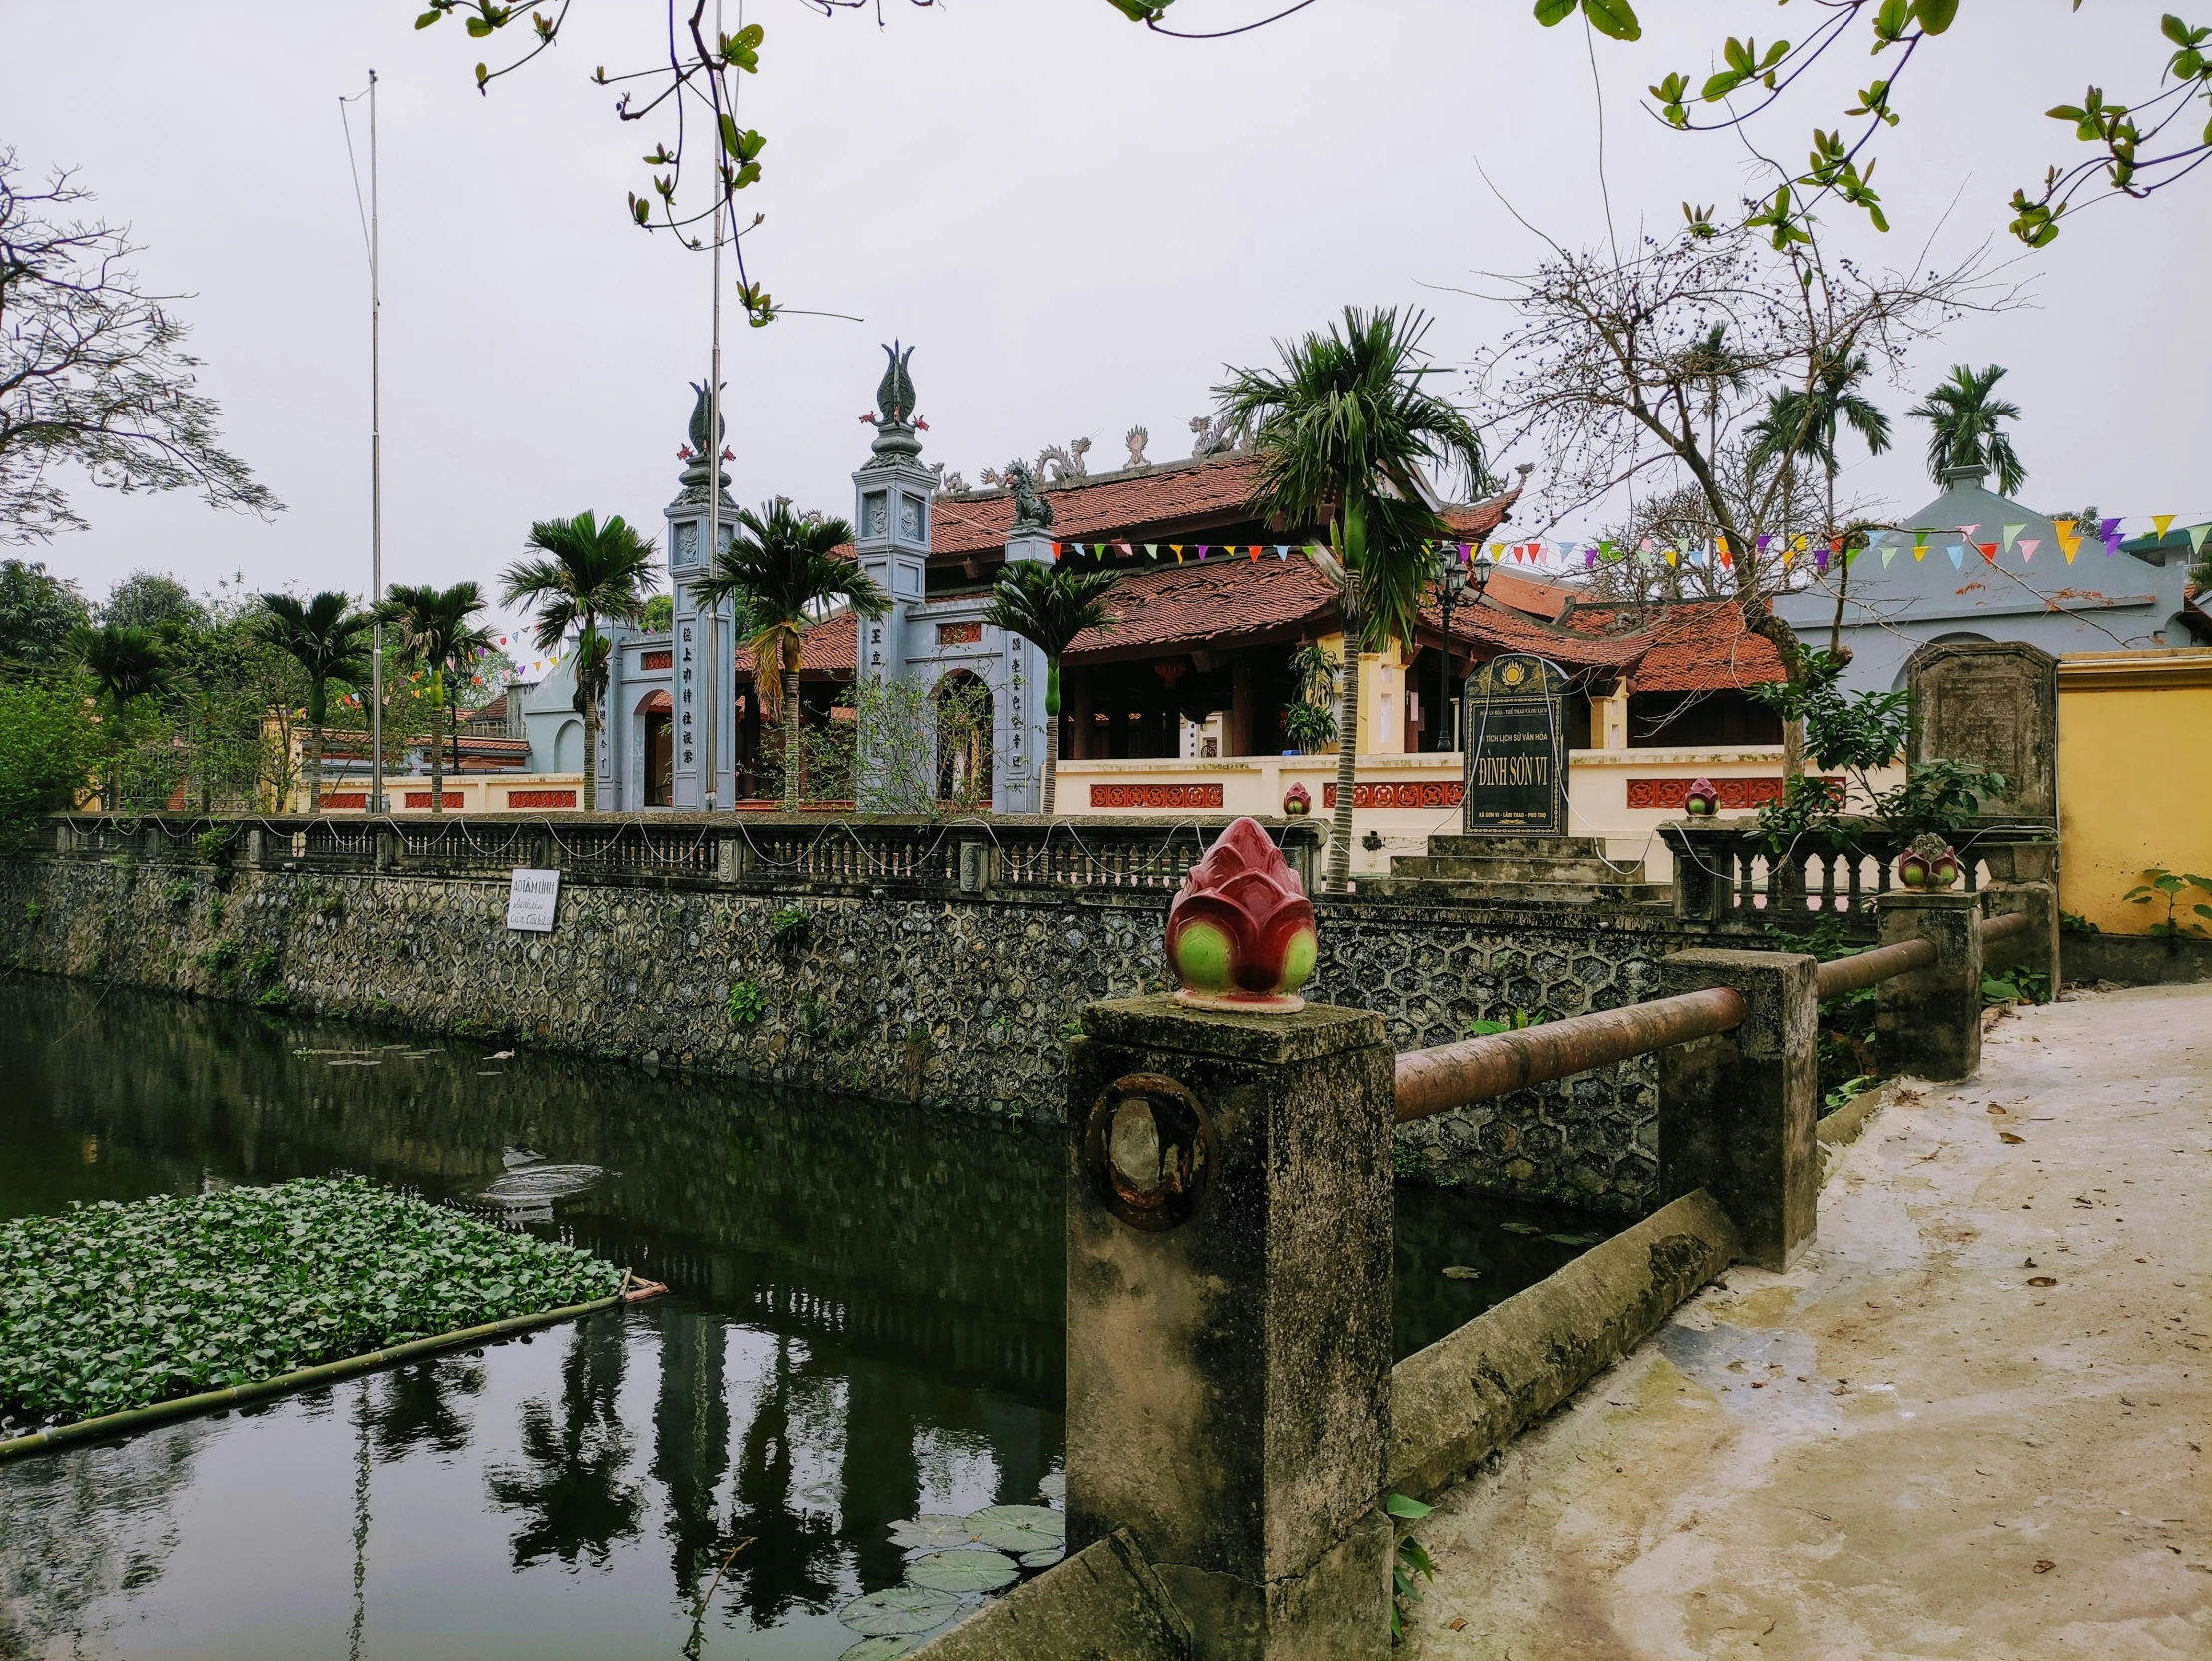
(324, 636)
(1048, 606)
(1966, 418)
(126, 664)
(436, 635)
(785, 574)
(1346, 431)
(589, 572)
(1806, 420)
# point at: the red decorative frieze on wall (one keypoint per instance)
(1156, 795)
(541, 798)
(1736, 795)
(656, 661)
(421, 798)
(1413, 793)
(346, 798)
(959, 634)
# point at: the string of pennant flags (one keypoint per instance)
(1955, 543)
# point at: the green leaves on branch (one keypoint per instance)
(1615, 18)
(1743, 64)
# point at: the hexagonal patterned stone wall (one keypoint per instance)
(949, 1000)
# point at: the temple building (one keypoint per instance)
(1189, 692)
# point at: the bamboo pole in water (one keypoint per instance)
(329, 1373)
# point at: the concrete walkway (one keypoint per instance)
(1905, 1446)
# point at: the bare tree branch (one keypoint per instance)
(93, 372)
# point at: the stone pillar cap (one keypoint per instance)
(1163, 1021)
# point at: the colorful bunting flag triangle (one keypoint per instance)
(2029, 546)
(2160, 524)
(2011, 531)
(2197, 534)
(1957, 551)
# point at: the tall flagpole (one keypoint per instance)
(376, 464)
(711, 726)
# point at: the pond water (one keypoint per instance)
(865, 1325)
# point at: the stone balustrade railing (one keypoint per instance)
(951, 855)
(1730, 873)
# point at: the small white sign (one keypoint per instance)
(533, 900)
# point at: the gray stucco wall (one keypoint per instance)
(951, 1001)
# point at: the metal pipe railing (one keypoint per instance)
(1863, 969)
(1476, 1068)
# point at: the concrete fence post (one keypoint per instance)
(1928, 1022)
(1736, 1112)
(2036, 951)
(1229, 1243)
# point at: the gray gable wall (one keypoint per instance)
(2100, 602)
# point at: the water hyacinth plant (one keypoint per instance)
(110, 1307)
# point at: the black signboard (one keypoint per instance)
(1516, 748)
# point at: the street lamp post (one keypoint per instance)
(1453, 581)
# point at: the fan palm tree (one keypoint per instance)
(1048, 606)
(1806, 421)
(1346, 431)
(327, 637)
(1967, 432)
(125, 665)
(437, 634)
(783, 573)
(589, 572)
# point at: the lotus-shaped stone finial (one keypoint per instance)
(1929, 862)
(1297, 802)
(1701, 801)
(1241, 932)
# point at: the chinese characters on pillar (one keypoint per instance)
(685, 700)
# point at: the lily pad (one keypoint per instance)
(965, 1570)
(1019, 1528)
(1573, 1240)
(1460, 1271)
(1053, 1486)
(879, 1649)
(1041, 1560)
(1006, 1536)
(1022, 1516)
(932, 1531)
(1520, 1227)
(899, 1612)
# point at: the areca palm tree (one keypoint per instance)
(327, 637)
(1346, 432)
(1806, 421)
(1049, 605)
(785, 575)
(1968, 426)
(437, 634)
(125, 665)
(589, 571)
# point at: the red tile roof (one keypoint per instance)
(1197, 606)
(1123, 507)
(1700, 646)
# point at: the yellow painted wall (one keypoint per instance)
(2134, 779)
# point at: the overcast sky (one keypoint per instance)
(1078, 223)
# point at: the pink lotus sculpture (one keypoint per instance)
(1297, 802)
(1241, 932)
(1929, 862)
(1701, 801)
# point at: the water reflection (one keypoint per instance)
(865, 1325)
(572, 1487)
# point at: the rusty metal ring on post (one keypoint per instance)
(1151, 1150)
